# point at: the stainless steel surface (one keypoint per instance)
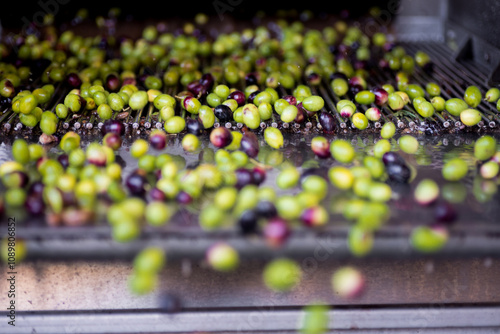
(370, 320)
(75, 279)
(419, 20)
(52, 286)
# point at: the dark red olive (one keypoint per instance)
(196, 88)
(314, 79)
(158, 140)
(130, 81)
(74, 80)
(381, 96)
(34, 205)
(327, 122)
(276, 232)
(207, 81)
(445, 212)
(360, 65)
(259, 175)
(221, 137)
(36, 188)
(290, 99)
(250, 144)
(112, 140)
(183, 198)
(244, 177)
(136, 184)
(238, 96)
(112, 125)
(112, 82)
(157, 195)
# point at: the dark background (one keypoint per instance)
(15, 14)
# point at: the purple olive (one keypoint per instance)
(207, 81)
(158, 140)
(196, 88)
(221, 137)
(276, 232)
(392, 158)
(157, 195)
(34, 205)
(445, 212)
(250, 144)
(327, 122)
(244, 177)
(398, 172)
(63, 160)
(183, 198)
(238, 96)
(112, 82)
(194, 126)
(136, 183)
(36, 188)
(112, 125)
(112, 140)
(290, 99)
(74, 80)
(258, 175)
(381, 96)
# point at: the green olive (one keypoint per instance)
(472, 96)
(20, 151)
(175, 124)
(455, 106)
(313, 103)
(425, 109)
(470, 117)
(342, 151)
(273, 137)
(339, 86)
(492, 95)
(408, 144)
(251, 116)
(359, 120)
(485, 147)
(455, 169)
(289, 113)
(388, 130)
(138, 100)
(282, 275)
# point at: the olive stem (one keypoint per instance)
(5, 115)
(147, 124)
(137, 119)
